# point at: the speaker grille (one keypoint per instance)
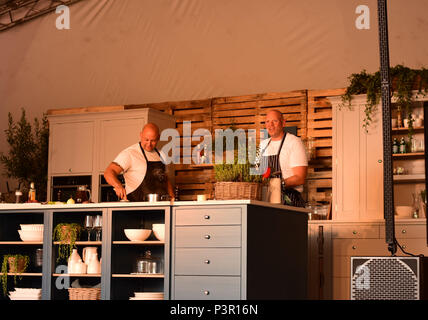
(384, 278)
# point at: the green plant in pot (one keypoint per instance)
(67, 234)
(403, 81)
(231, 177)
(13, 263)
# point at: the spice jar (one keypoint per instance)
(148, 264)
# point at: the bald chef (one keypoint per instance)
(142, 167)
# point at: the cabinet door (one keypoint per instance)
(357, 163)
(72, 147)
(116, 135)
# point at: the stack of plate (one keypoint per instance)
(147, 296)
(25, 294)
(31, 232)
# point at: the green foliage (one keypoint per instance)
(235, 173)
(27, 160)
(403, 80)
(67, 239)
(4, 268)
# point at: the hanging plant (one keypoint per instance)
(14, 263)
(404, 80)
(66, 234)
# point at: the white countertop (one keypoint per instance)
(39, 206)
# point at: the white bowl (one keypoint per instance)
(30, 235)
(137, 234)
(31, 227)
(404, 211)
(159, 231)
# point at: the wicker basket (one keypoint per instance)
(84, 293)
(238, 190)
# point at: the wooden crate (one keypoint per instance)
(319, 182)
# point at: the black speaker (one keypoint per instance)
(389, 278)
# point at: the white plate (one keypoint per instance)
(133, 298)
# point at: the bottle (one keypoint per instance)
(402, 145)
(395, 146)
(32, 193)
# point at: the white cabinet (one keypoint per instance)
(83, 144)
(357, 162)
(71, 148)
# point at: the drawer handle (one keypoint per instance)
(354, 247)
(70, 170)
(403, 231)
(206, 217)
(206, 292)
(207, 261)
(404, 246)
(207, 236)
(354, 232)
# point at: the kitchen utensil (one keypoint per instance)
(83, 194)
(137, 234)
(148, 264)
(73, 262)
(152, 197)
(88, 225)
(94, 266)
(159, 231)
(32, 227)
(38, 261)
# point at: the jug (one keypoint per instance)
(73, 261)
(83, 194)
(275, 190)
(94, 266)
(86, 253)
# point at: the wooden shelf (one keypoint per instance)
(148, 275)
(21, 242)
(408, 155)
(409, 177)
(84, 243)
(405, 130)
(154, 242)
(25, 274)
(87, 275)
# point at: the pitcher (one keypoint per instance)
(83, 194)
(94, 266)
(86, 253)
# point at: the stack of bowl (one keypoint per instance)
(31, 232)
(25, 294)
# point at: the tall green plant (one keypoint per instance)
(27, 160)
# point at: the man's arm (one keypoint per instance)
(298, 178)
(111, 174)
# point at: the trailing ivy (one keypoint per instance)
(403, 80)
(67, 239)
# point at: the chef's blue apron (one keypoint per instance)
(155, 180)
(290, 196)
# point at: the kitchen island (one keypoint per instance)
(236, 249)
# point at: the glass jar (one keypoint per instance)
(148, 264)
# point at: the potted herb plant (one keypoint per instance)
(66, 234)
(13, 263)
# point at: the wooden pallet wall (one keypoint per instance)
(319, 182)
(310, 111)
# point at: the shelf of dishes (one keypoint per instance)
(408, 155)
(138, 275)
(25, 274)
(87, 275)
(21, 243)
(136, 242)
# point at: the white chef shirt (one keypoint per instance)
(293, 154)
(134, 165)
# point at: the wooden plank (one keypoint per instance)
(320, 133)
(264, 96)
(319, 175)
(326, 93)
(320, 124)
(84, 110)
(327, 114)
(319, 183)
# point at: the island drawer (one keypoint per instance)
(208, 261)
(355, 231)
(208, 216)
(208, 236)
(207, 288)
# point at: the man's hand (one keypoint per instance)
(120, 192)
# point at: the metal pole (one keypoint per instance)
(388, 187)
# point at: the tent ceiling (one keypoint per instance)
(15, 12)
